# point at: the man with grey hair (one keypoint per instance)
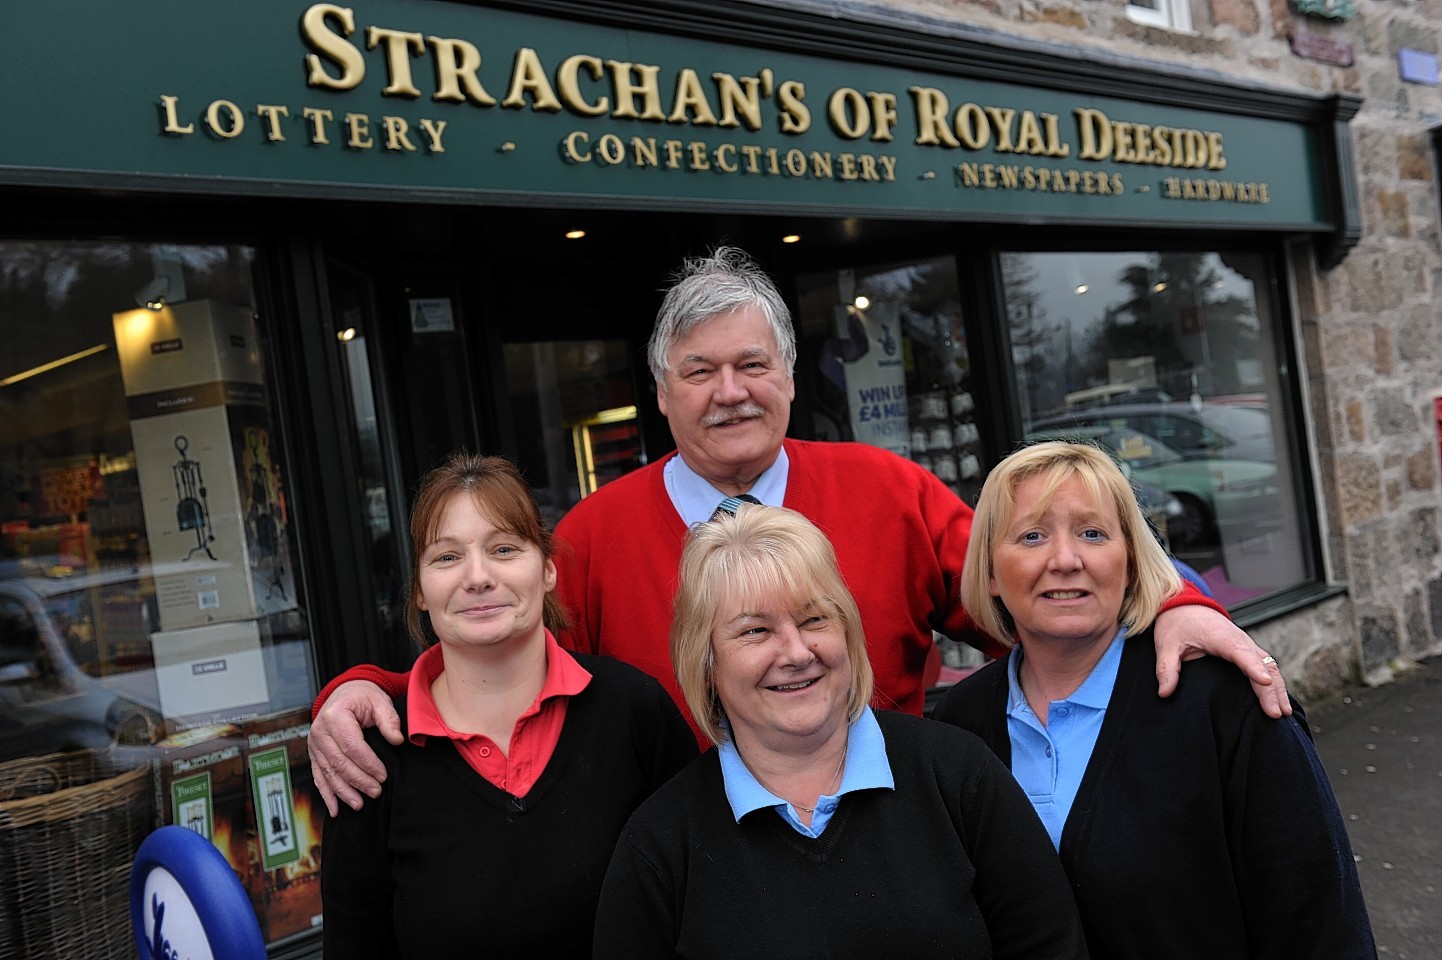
(723, 353)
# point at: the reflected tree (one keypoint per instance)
(926, 296)
(1180, 316)
(1033, 336)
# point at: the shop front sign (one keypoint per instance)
(446, 101)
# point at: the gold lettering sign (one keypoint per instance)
(1211, 190)
(610, 150)
(695, 121)
(1102, 138)
(359, 131)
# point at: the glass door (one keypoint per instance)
(354, 312)
(574, 405)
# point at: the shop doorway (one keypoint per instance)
(523, 332)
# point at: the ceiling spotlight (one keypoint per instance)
(862, 303)
(346, 335)
(1159, 286)
(575, 234)
(1081, 288)
(791, 238)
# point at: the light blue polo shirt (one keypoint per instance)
(695, 499)
(867, 768)
(1049, 760)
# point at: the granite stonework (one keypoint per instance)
(1414, 158)
(1422, 469)
(1369, 330)
(1392, 205)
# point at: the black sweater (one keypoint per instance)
(1202, 829)
(952, 863)
(445, 864)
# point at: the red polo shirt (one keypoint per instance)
(534, 737)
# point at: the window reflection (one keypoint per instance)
(152, 632)
(352, 300)
(893, 365)
(1168, 360)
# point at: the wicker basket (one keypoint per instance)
(69, 828)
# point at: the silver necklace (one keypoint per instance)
(835, 778)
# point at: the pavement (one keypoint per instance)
(1382, 747)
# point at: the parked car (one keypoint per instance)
(1220, 498)
(55, 692)
(1193, 431)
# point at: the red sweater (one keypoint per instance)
(900, 537)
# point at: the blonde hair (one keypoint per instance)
(1151, 578)
(760, 553)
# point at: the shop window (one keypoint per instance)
(150, 619)
(1168, 14)
(575, 409)
(1169, 361)
(883, 356)
(890, 367)
(27, 673)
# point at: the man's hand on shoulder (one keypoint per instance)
(1189, 632)
(341, 762)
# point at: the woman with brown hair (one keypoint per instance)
(520, 761)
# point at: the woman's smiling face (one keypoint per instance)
(1061, 569)
(781, 670)
(481, 585)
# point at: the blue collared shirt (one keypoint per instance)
(867, 768)
(695, 499)
(1049, 760)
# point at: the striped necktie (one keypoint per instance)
(732, 504)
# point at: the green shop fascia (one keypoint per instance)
(653, 106)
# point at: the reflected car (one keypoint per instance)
(55, 694)
(1159, 507)
(1231, 431)
(1221, 499)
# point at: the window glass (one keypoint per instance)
(888, 365)
(891, 366)
(1169, 361)
(155, 656)
(574, 405)
(352, 301)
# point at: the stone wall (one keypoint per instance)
(1369, 330)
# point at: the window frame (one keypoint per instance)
(1175, 15)
(1314, 583)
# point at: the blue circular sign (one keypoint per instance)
(186, 902)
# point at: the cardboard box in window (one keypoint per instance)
(201, 784)
(211, 674)
(216, 516)
(284, 882)
(249, 785)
